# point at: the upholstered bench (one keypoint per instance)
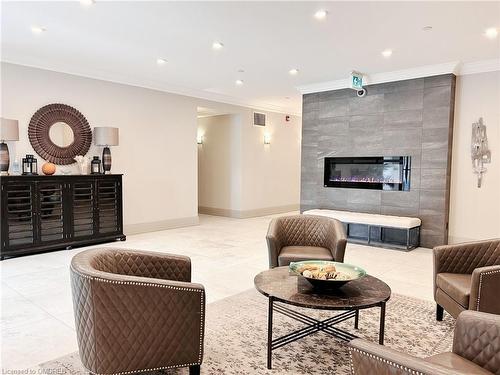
(377, 230)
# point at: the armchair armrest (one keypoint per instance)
(166, 315)
(374, 359)
(477, 338)
(336, 240)
(274, 242)
(485, 290)
(465, 257)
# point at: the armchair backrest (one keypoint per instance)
(307, 230)
(477, 338)
(466, 257)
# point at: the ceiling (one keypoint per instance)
(121, 41)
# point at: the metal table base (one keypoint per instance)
(313, 325)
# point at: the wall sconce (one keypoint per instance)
(267, 139)
(199, 139)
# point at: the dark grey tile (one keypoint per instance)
(372, 197)
(309, 118)
(402, 138)
(439, 96)
(432, 201)
(434, 155)
(363, 207)
(399, 211)
(334, 108)
(413, 116)
(430, 239)
(404, 100)
(370, 104)
(310, 98)
(334, 126)
(433, 179)
(441, 80)
(326, 96)
(433, 222)
(436, 117)
(366, 122)
(430, 135)
(401, 199)
(409, 84)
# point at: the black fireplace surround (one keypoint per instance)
(368, 172)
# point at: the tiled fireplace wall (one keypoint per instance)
(412, 117)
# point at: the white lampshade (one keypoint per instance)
(106, 136)
(9, 130)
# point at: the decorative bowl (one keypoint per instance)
(346, 273)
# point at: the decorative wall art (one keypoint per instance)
(59, 132)
(479, 150)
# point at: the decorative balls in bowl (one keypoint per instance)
(327, 275)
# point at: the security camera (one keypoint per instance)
(361, 93)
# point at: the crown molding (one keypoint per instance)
(476, 67)
(397, 75)
(170, 89)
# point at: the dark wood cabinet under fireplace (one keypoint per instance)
(41, 213)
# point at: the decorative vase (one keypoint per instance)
(48, 169)
(83, 163)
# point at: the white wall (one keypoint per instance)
(157, 152)
(262, 179)
(475, 212)
(271, 176)
(219, 164)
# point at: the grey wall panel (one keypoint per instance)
(411, 117)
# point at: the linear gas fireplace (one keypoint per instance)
(372, 172)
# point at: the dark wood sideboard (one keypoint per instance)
(42, 213)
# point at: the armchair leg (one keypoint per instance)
(194, 370)
(439, 313)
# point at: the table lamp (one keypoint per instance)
(9, 131)
(106, 136)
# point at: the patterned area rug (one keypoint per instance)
(236, 332)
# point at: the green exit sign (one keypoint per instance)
(356, 81)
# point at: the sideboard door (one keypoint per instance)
(18, 219)
(109, 206)
(52, 213)
(83, 221)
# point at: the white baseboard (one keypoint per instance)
(155, 226)
(240, 214)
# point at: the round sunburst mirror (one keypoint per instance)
(59, 132)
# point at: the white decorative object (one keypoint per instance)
(479, 150)
(83, 163)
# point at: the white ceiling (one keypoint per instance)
(120, 41)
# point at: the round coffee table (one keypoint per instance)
(279, 286)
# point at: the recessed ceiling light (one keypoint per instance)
(217, 45)
(387, 53)
(87, 2)
(427, 28)
(287, 97)
(293, 71)
(161, 61)
(238, 82)
(491, 33)
(320, 14)
(241, 70)
(37, 29)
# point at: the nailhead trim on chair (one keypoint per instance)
(158, 286)
(145, 370)
(373, 356)
(481, 284)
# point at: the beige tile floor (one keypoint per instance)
(37, 320)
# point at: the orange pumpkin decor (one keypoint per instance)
(48, 168)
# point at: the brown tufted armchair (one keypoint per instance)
(136, 311)
(476, 351)
(303, 237)
(467, 277)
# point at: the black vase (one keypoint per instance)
(4, 158)
(106, 159)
